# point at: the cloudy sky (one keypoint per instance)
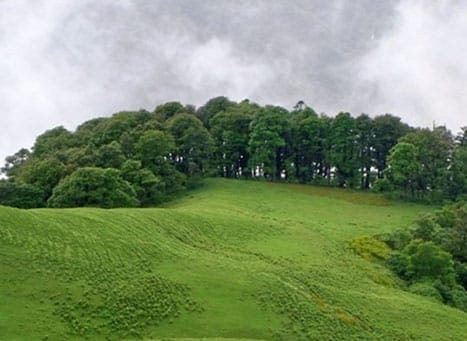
(65, 61)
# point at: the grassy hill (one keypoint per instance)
(234, 260)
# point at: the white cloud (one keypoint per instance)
(418, 69)
(214, 67)
(63, 62)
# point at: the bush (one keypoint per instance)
(399, 264)
(426, 289)
(21, 195)
(426, 228)
(461, 274)
(89, 186)
(382, 185)
(428, 261)
(370, 248)
(396, 240)
(459, 298)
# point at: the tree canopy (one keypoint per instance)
(165, 151)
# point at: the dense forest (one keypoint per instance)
(143, 158)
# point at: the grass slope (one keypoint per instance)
(234, 260)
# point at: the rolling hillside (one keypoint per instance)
(232, 260)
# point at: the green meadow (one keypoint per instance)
(232, 260)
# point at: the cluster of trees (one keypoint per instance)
(142, 158)
(428, 165)
(432, 256)
(130, 159)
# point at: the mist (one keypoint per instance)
(66, 62)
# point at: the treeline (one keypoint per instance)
(143, 158)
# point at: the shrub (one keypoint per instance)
(459, 298)
(425, 228)
(399, 264)
(461, 274)
(21, 195)
(382, 185)
(429, 261)
(370, 248)
(426, 289)
(396, 240)
(90, 186)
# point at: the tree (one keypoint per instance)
(461, 137)
(194, 144)
(457, 186)
(230, 130)
(344, 149)
(20, 195)
(267, 141)
(15, 161)
(92, 186)
(457, 243)
(364, 127)
(434, 150)
(120, 123)
(429, 261)
(110, 156)
(309, 147)
(154, 147)
(212, 107)
(42, 173)
(102, 131)
(51, 141)
(149, 187)
(170, 109)
(404, 169)
(387, 131)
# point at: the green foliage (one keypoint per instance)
(148, 187)
(110, 156)
(370, 248)
(52, 140)
(20, 195)
(42, 173)
(212, 107)
(458, 185)
(309, 144)
(461, 273)
(365, 130)
(169, 109)
(399, 263)
(457, 243)
(429, 261)
(230, 130)
(426, 289)
(180, 145)
(459, 298)
(267, 138)
(194, 144)
(404, 168)
(427, 229)
(434, 255)
(91, 186)
(344, 149)
(15, 161)
(387, 131)
(434, 148)
(154, 147)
